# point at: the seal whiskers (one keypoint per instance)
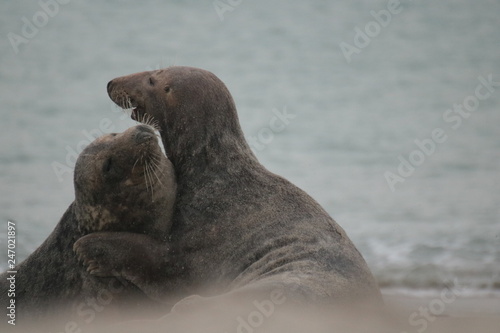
(147, 119)
(154, 168)
(146, 180)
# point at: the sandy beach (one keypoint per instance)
(403, 314)
(444, 313)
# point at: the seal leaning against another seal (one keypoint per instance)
(238, 227)
(123, 183)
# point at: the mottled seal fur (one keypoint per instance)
(123, 184)
(237, 226)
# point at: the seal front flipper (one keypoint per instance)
(138, 258)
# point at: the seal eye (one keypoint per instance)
(167, 89)
(107, 165)
(151, 81)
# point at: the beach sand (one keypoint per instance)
(404, 313)
(444, 313)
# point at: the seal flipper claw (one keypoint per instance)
(93, 267)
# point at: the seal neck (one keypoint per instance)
(201, 143)
(224, 153)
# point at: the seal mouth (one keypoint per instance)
(135, 113)
(133, 108)
(130, 105)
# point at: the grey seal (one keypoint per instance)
(124, 184)
(238, 228)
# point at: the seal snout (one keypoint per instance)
(144, 133)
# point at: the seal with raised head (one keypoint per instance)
(237, 226)
(123, 184)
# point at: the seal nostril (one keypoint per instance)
(110, 84)
(107, 165)
(143, 136)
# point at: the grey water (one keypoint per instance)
(386, 112)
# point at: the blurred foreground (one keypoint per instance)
(445, 313)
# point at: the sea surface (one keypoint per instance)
(392, 125)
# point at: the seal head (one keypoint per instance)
(195, 112)
(123, 182)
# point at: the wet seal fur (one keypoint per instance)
(238, 228)
(124, 184)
